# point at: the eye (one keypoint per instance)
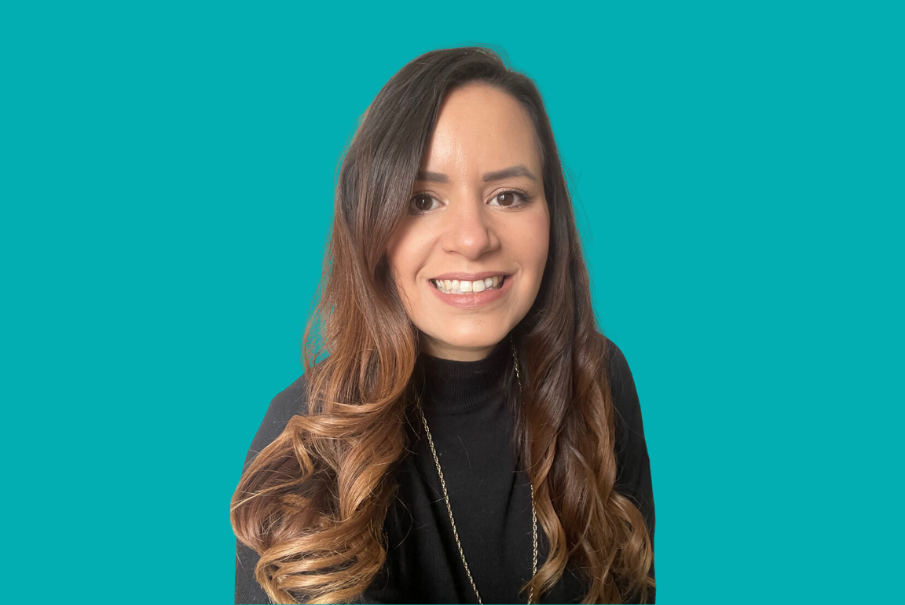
(421, 203)
(511, 198)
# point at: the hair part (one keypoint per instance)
(312, 503)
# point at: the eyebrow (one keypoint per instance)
(436, 177)
(505, 173)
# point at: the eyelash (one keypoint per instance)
(526, 199)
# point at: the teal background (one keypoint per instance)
(166, 186)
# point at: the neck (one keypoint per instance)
(454, 386)
(435, 348)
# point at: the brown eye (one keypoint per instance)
(421, 203)
(510, 199)
(507, 198)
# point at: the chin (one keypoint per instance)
(469, 340)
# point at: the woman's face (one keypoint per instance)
(477, 211)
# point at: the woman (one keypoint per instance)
(471, 436)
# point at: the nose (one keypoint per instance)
(469, 228)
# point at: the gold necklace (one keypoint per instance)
(449, 508)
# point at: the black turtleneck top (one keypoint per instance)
(471, 418)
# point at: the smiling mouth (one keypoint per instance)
(454, 286)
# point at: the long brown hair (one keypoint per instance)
(312, 503)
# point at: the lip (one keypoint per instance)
(472, 299)
(471, 276)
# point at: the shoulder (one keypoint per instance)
(291, 401)
(625, 394)
(618, 373)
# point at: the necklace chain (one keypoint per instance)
(452, 521)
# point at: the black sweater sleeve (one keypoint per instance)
(291, 402)
(633, 463)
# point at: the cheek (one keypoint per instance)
(533, 242)
(403, 251)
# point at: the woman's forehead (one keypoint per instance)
(481, 129)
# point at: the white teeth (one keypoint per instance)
(454, 286)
